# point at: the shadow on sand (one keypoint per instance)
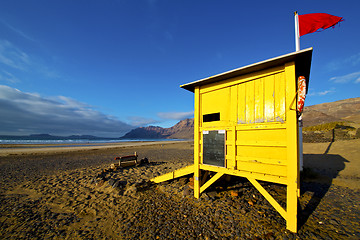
(316, 179)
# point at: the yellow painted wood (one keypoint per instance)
(241, 104)
(267, 137)
(222, 127)
(233, 149)
(262, 152)
(175, 174)
(261, 143)
(259, 126)
(278, 134)
(250, 102)
(246, 174)
(262, 99)
(231, 134)
(292, 150)
(268, 197)
(259, 100)
(280, 97)
(197, 146)
(234, 104)
(230, 148)
(230, 138)
(241, 79)
(269, 100)
(259, 167)
(217, 102)
(262, 160)
(211, 181)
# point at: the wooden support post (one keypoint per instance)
(292, 151)
(211, 181)
(268, 197)
(197, 144)
(175, 174)
(234, 120)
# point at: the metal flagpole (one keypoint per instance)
(297, 32)
(297, 44)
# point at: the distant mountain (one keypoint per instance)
(182, 130)
(343, 110)
(150, 132)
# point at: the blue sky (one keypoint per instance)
(105, 67)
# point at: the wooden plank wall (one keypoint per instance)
(253, 113)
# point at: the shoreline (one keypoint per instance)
(23, 149)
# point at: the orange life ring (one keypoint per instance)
(301, 94)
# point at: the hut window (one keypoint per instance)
(214, 148)
(211, 117)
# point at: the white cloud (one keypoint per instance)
(352, 60)
(17, 31)
(16, 59)
(12, 56)
(8, 77)
(352, 77)
(30, 113)
(176, 115)
(72, 102)
(321, 93)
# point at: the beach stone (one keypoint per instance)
(130, 191)
(191, 183)
(212, 194)
(100, 183)
(333, 222)
(183, 181)
(111, 182)
(116, 184)
(144, 161)
(93, 181)
(186, 191)
(205, 196)
(234, 193)
(140, 183)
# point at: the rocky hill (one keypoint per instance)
(328, 122)
(343, 110)
(182, 130)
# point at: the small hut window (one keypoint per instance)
(211, 117)
(214, 148)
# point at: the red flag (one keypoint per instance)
(309, 23)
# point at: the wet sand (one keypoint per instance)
(63, 193)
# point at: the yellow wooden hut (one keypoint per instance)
(246, 124)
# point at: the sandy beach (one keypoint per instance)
(63, 193)
(12, 149)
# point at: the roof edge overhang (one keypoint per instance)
(302, 60)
